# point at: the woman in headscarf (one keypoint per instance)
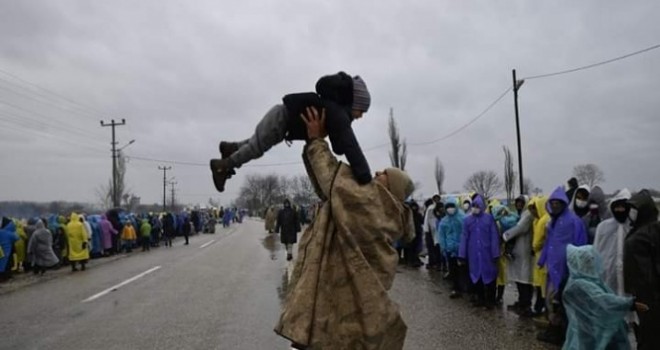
(40, 249)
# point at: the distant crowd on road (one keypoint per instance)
(44, 243)
(587, 267)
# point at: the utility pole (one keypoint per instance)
(113, 124)
(516, 86)
(172, 183)
(164, 169)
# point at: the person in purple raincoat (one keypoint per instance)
(107, 233)
(564, 228)
(480, 246)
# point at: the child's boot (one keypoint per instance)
(221, 170)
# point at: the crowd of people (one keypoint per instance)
(43, 243)
(586, 265)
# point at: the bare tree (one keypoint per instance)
(589, 174)
(509, 174)
(439, 174)
(104, 192)
(484, 182)
(399, 152)
(528, 186)
(261, 191)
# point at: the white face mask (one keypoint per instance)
(633, 215)
(593, 206)
(476, 211)
(466, 206)
(581, 203)
(451, 211)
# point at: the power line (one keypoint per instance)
(29, 94)
(593, 64)
(80, 105)
(180, 162)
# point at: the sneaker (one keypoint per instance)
(221, 169)
(227, 149)
(289, 257)
(454, 294)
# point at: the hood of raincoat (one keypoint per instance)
(492, 204)
(39, 225)
(558, 194)
(598, 196)
(479, 202)
(506, 217)
(539, 203)
(74, 217)
(584, 262)
(622, 195)
(647, 211)
(580, 211)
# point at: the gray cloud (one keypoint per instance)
(186, 75)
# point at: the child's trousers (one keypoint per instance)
(270, 131)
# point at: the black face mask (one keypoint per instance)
(620, 216)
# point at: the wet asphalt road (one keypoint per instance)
(223, 291)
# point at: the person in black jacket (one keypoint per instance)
(344, 99)
(288, 226)
(641, 266)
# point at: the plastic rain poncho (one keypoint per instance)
(8, 237)
(480, 244)
(595, 314)
(564, 229)
(539, 273)
(610, 236)
(449, 232)
(520, 268)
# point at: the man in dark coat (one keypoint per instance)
(641, 266)
(288, 226)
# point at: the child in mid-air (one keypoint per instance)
(344, 99)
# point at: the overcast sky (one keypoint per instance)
(186, 75)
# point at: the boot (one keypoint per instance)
(552, 335)
(221, 170)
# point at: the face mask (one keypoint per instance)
(466, 206)
(581, 203)
(620, 216)
(451, 211)
(633, 215)
(593, 206)
(476, 211)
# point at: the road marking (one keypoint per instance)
(207, 244)
(117, 286)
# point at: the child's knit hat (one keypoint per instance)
(361, 96)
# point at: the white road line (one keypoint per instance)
(207, 244)
(117, 286)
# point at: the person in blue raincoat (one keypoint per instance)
(8, 237)
(564, 228)
(480, 247)
(449, 231)
(595, 313)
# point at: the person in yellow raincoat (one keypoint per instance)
(338, 294)
(128, 236)
(536, 206)
(20, 246)
(77, 242)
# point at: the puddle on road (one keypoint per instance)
(272, 243)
